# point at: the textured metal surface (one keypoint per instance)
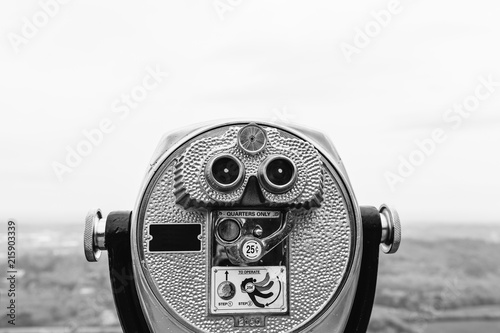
(320, 247)
(193, 190)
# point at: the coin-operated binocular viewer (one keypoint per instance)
(244, 227)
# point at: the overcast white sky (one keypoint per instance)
(276, 60)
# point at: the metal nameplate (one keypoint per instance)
(254, 214)
(175, 237)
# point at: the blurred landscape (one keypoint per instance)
(444, 278)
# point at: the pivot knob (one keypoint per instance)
(94, 236)
(391, 229)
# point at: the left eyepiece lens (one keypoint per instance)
(225, 172)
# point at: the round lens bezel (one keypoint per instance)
(214, 183)
(266, 183)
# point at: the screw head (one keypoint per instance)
(257, 231)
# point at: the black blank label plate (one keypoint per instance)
(175, 237)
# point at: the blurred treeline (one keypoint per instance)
(438, 280)
(63, 290)
(424, 282)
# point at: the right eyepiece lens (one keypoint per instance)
(225, 170)
(277, 174)
(280, 171)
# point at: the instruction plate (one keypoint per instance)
(249, 289)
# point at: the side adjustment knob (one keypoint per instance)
(391, 229)
(94, 236)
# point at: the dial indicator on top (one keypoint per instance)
(252, 139)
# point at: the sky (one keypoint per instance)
(408, 92)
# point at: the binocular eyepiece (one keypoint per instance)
(244, 227)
